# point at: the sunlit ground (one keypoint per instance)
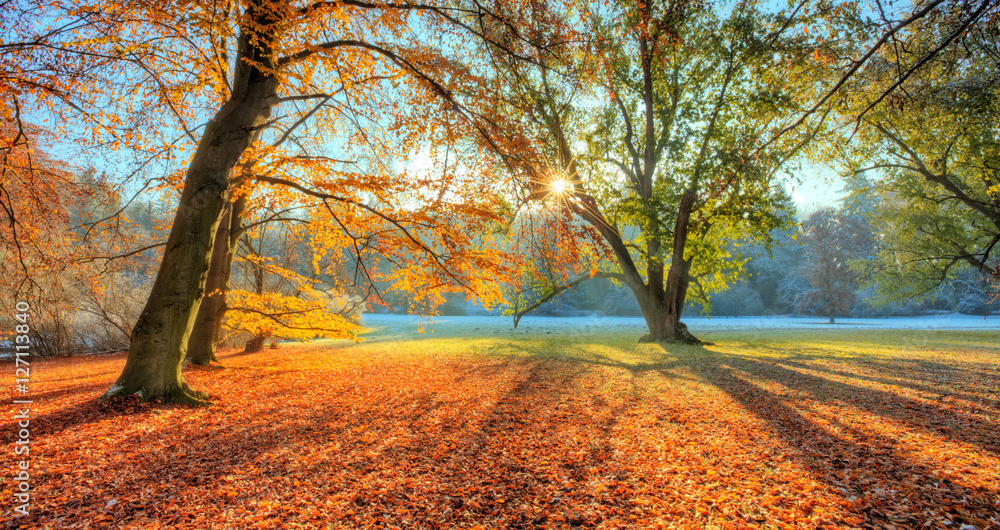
(463, 428)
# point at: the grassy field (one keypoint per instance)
(471, 428)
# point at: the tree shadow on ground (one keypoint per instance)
(360, 455)
(513, 440)
(922, 376)
(507, 465)
(88, 411)
(921, 393)
(860, 461)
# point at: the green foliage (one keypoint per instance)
(716, 88)
(924, 165)
(678, 99)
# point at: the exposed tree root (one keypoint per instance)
(680, 335)
(201, 357)
(205, 363)
(179, 394)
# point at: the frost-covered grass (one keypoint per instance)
(697, 324)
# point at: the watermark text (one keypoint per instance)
(22, 410)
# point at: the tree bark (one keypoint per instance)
(663, 315)
(160, 338)
(204, 340)
(256, 344)
(677, 330)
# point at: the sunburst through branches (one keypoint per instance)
(559, 187)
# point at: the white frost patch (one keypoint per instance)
(391, 324)
(116, 388)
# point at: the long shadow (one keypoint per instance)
(180, 460)
(499, 461)
(853, 464)
(934, 387)
(936, 371)
(663, 366)
(931, 418)
(85, 412)
(934, 418)
(41, 397)
(452, 461)
(449, 467)
(90, 410)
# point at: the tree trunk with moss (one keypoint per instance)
(160, 337)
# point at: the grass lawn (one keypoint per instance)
(472, 428)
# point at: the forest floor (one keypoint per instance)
(462, 428)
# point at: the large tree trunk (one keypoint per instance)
(207, 329)
(677, 330)
(654, 311)
(663, 316)
(661, 307)
(205, 333)
(160, 338)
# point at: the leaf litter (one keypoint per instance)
(761, 430)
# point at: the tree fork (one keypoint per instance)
(677, 280)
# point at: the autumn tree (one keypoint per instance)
(113, 263)
(374, 233)
(84, 79)
(833, 240)
(268, 66)
(278, 294)
(554, 264)
(40, 66)
(37, 198)
(81, 286)
(645, 117)
(842, 42)
(65, 84)
(854, 41)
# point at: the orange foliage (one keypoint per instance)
(63, 87)
(36, 197)
(360, 93)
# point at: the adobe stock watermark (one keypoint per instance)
(22, 410)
